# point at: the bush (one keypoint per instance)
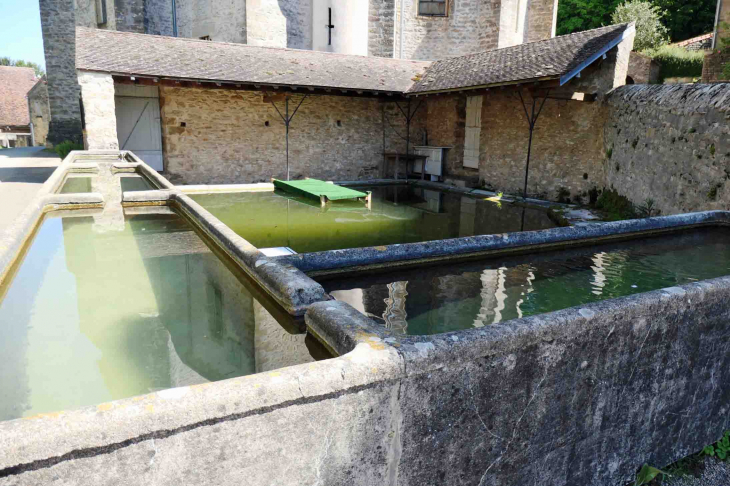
(63, 148)
(677, 62)
(650, 32)
(615, 206)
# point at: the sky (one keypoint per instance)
(20, 31)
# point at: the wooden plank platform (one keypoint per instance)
(316, 189)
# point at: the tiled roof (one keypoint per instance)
(695, 40)
(178, 58)
(15, 82)
(547, 59)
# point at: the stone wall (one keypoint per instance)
(158, 17)
(86, 14)
(381, 28)
(222, 21)
(567, 147)
(670, 143)
(130, 15)
(643, 69)
(542, 16)
(712, 69)
(234, 137)
(97, 92)
(279, 23)
(468, 27)
(39, 111)
(58, 22)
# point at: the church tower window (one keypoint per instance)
(432, 8)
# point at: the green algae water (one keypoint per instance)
(399, 214)
(105, 307)
(437, 299)
(76, 185)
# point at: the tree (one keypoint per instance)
(687, 18)
(579, 15)
(6, 61)
(650, 31)
(684, 18)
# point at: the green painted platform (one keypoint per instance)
(315, 188)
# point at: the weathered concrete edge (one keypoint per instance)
(290, 287)
(45, 440)
(473, 246)
(15, 236)
(226, 188)
(341, 326)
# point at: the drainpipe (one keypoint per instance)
(716, 30)
(174, 19)
(402, 26)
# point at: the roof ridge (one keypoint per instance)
(249, 46)
(625, 24)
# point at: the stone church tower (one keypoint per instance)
(409, 29)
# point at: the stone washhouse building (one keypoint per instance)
(15, 128)
(218, 110)
(405, 29)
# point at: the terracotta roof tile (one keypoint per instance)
(15, 82)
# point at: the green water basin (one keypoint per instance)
(108, 306)
(399, 214)
(444, 298)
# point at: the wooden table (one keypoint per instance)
(396, 157)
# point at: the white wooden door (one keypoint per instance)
(138, 128)
(473, 130)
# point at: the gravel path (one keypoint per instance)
(716, 473)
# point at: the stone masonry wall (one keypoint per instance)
(97, 92)
(86, 14)
(279, 23)
(158, 17)
(712, 69)
(642, 69)
(670, 143)
(381, 28)
(221, 20)
(59, 44)
(40, 111)
(567, 146)
(225, 137)
(541, 18)
(470, 26)
(129, 15)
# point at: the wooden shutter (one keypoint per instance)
(473, 130)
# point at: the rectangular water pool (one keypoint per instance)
(399, 214)
(98, 312)
(444, 298)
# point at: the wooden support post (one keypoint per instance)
(369, 200)
(323, 200)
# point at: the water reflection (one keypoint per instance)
(399, 214)
(475, 294)
(97, 313)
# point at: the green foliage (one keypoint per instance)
(720, 449)
(609, 152)
(646, 474)
(64, 148)
(650, 31)
(712, 193)
(563, 195)
(687, 18)
(677, 62)
(6, 61)
(684, 19)
(648, 209)
(580, 15)
(615, 206)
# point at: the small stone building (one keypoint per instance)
(643, 69)
(39, 111)
(207, 112)
(15, 82)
